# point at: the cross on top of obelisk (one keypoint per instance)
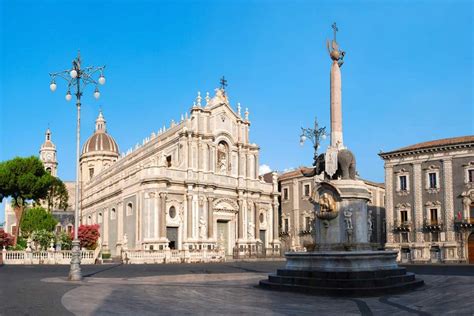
(223, 83)
(334, 27)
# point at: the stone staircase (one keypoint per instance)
(358, 283)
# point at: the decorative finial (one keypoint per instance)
(182, 117)
(207, 98)
(186, 115)
(198, 99)
(194, 104)
(333, 48)
(246, 114)
(238, 109)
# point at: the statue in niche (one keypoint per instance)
(202, 227)
(222, 158)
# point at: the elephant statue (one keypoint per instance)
(346, 164)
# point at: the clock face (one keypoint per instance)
(49, 157)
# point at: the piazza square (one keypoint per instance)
(271, 189)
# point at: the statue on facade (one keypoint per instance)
(221, 157)
(250, 230)
(125, 242)
(202, 227)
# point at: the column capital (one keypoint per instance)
(163, 195)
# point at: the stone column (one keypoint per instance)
(256, 166)
(257, 221)
(275, 221)
(448, 198)
(241, 219)
(389, 203)
(210, 217)
(105, 221)
(418, 207)
(189, 221)
(162, 228)
(120, 223)
(336, 106)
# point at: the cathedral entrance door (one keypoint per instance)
(172, 235)
(470, 248)
(223, 236)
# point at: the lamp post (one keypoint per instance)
(315, 134)
(78, 78)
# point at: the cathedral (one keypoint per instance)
(194, 185)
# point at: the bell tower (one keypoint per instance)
(48, 155)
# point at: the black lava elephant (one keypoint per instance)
(346, 164)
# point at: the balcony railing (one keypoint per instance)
(403, 226)
(464, 223)
(432, 225)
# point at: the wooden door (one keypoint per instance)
(470, 248)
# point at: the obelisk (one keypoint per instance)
(336, 98)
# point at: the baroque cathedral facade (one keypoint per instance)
(194, 185)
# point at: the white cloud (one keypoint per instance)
(263, 169)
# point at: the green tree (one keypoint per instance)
(36, 219)
(23, 179)
(57, 197)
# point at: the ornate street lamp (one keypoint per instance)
(78, 78)
(315, 134)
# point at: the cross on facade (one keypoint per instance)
(334, 27)
(223, 83)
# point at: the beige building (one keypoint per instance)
(297, 212)
(430, 200)
(193, 185)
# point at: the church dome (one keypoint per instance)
(100, 141)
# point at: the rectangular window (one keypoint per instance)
(433, 180)
(285, 194)
(434, 216)
(403, 183)
(91, 172)
(58, 229)
(13, 230)
(286, 225)
(168, 161)
(404, 216)
(434, 236)
(308, 223)
(306, 190)
(404, 237)
(471, 175)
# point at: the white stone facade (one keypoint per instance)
(194, 185)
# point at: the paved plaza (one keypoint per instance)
(213, 289)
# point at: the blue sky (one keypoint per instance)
(407, 77)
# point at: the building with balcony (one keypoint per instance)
(430, 200)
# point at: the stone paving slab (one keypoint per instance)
(232, 294)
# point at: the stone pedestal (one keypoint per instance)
(345, 227)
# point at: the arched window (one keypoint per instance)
(99, 217)
(129, 209)
(113, 214)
